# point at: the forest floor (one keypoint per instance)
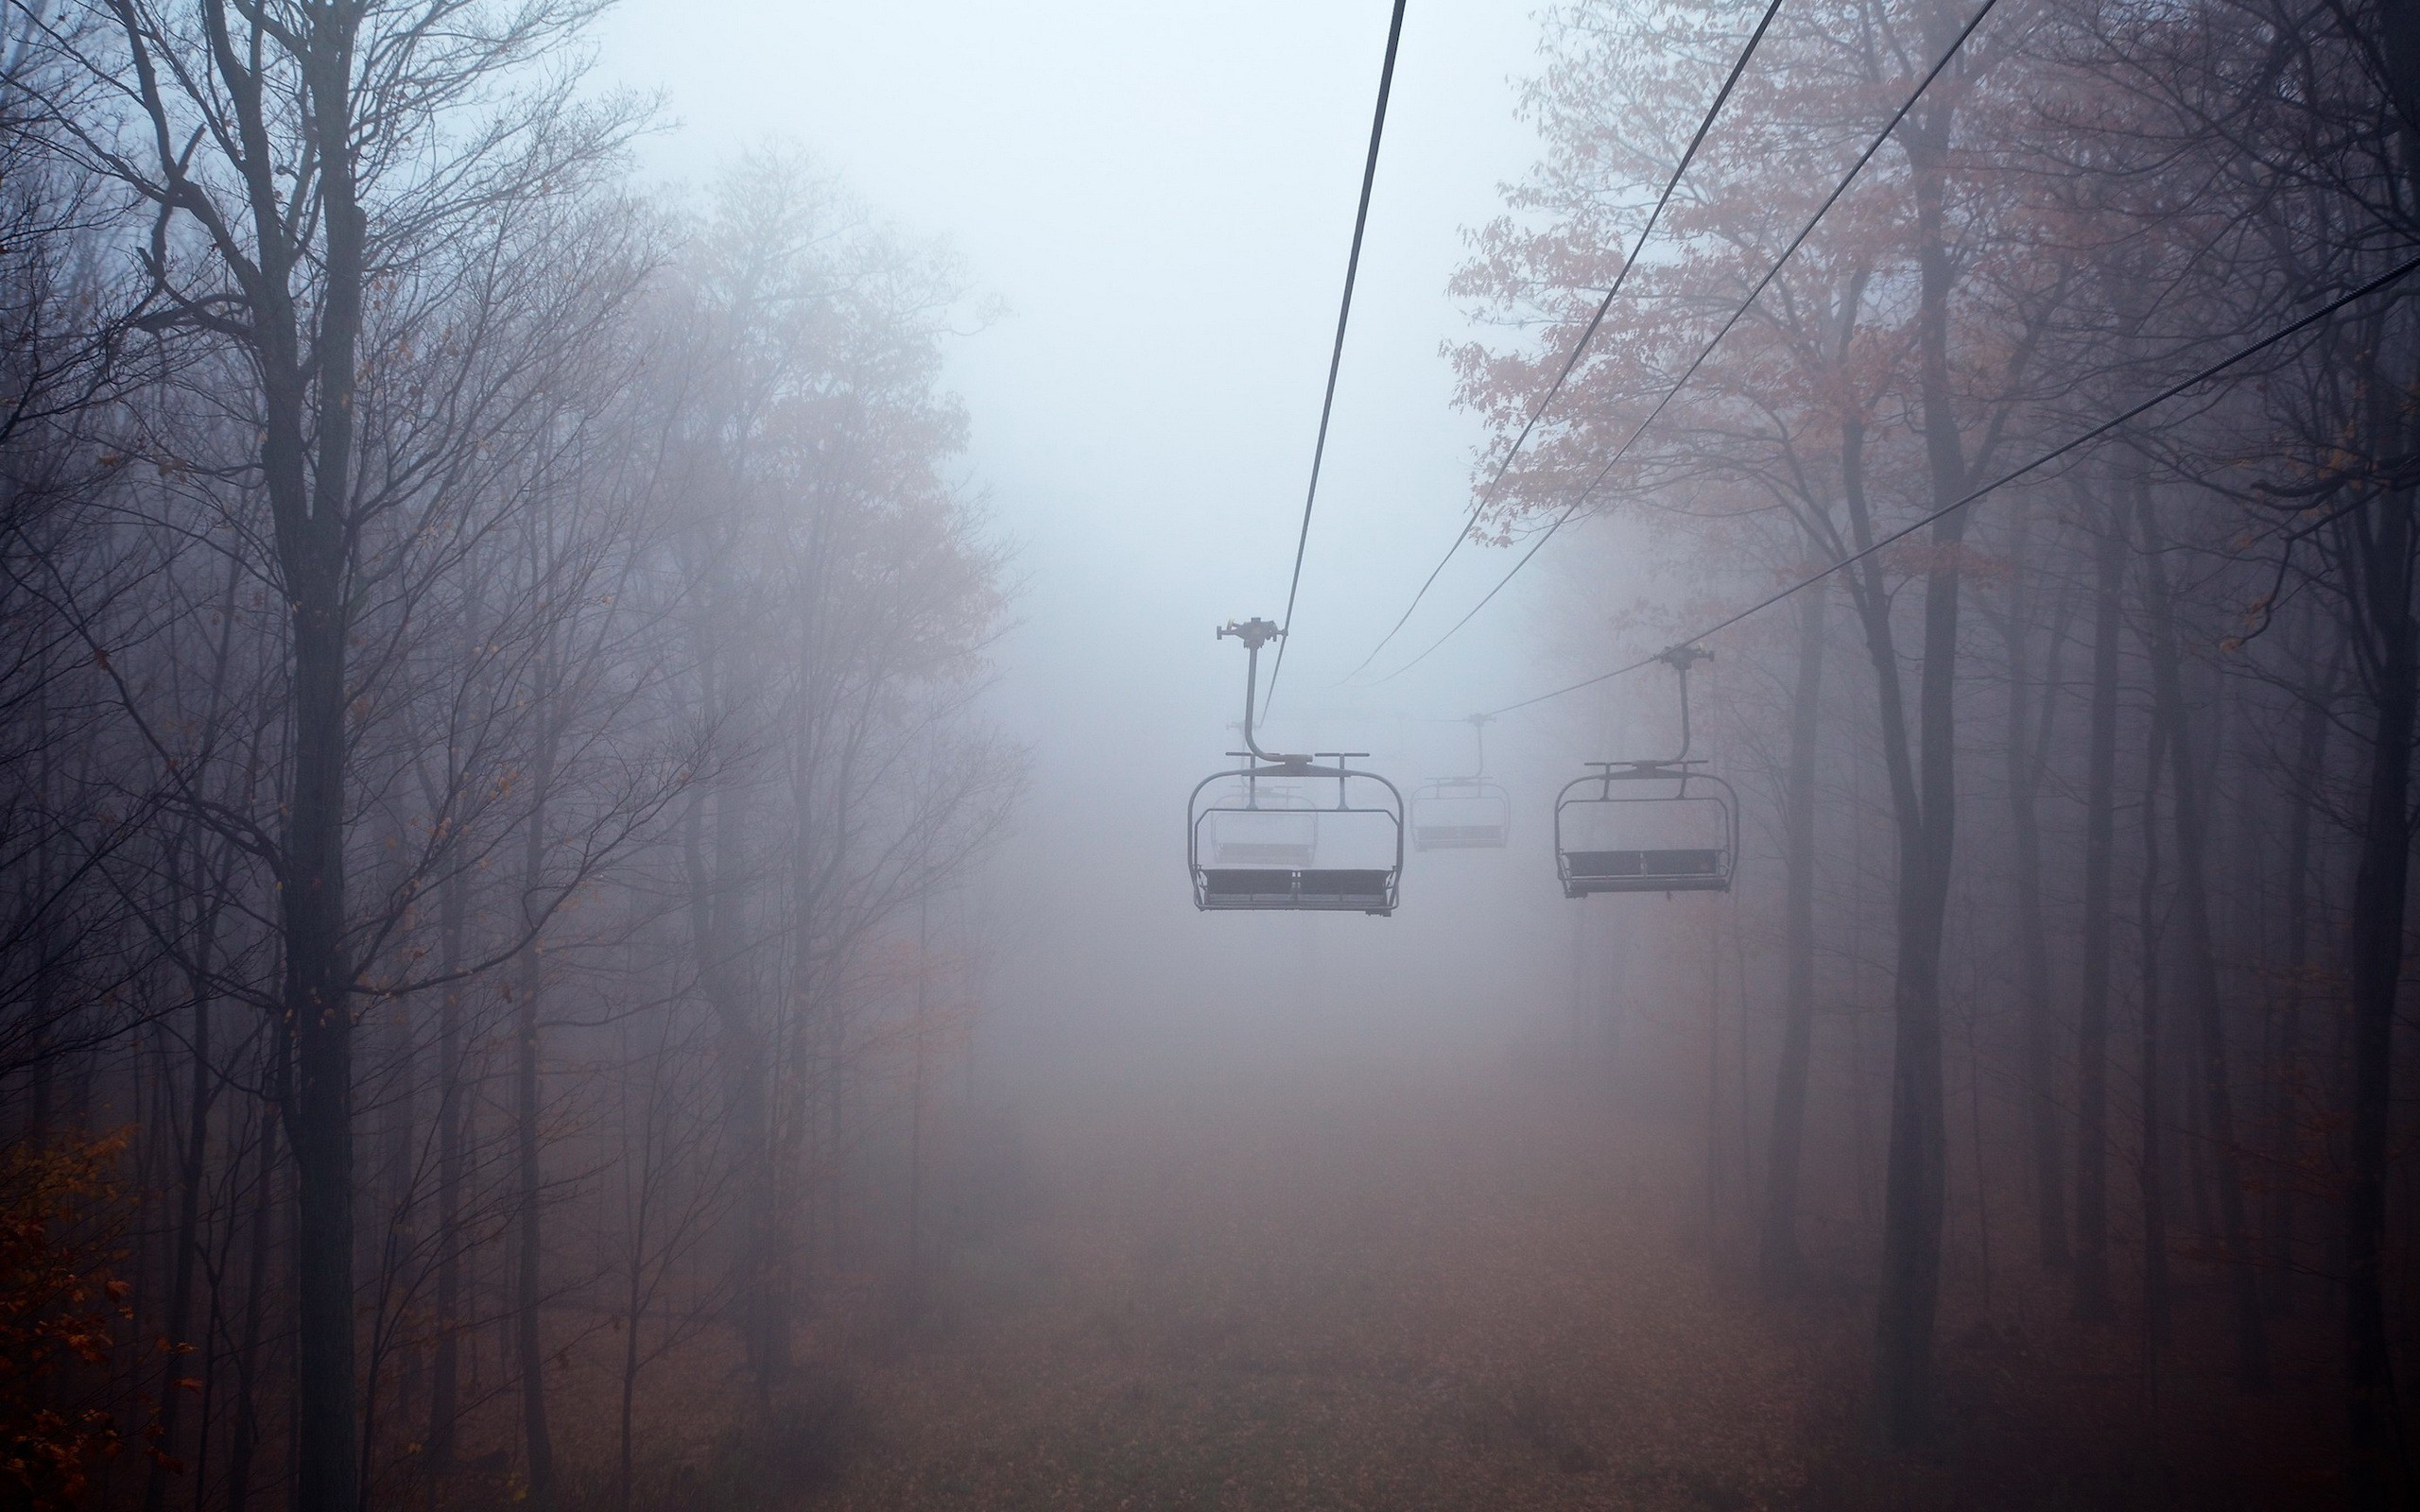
(1482, 1300)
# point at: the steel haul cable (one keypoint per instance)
(1335, 358)
(1738, 314)
(1587, 332)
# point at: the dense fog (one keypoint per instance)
(1612, 755)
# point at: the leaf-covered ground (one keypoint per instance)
(1411, 1299)
(1333, 1308)
(1438, 1293)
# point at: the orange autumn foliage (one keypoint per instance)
(61, 1314)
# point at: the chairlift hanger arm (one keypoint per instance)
(1479, 724)
(1680, 659)
(1256, 633)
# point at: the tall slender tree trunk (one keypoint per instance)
(43, 992)
(916, 1112)
(320, 1007)
(805, 1170)
(2200, 965)
(626, 1473)
(444, 1404)
(398, 1245)
(739, 1046)
(453, 1111)
(311, 505)
(2286, 1056)
(529, 1290)
(2089, 1298)
(1925, 788)
(192, 1166)
(2374, 948)
(2379, 543)
(1712, 1095)
(2150, 1171)
(244, 1438)
(1779, 1262)
(1916, 1148)
(2030, 724)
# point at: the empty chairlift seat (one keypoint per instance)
(1460, 814)
(1645, 827)
(1341, 856)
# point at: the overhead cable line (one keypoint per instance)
(2394, 275)
(1587, 332)
(1335, 358)
(1737, 315)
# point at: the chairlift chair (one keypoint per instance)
(1354, 864)
(1669, 840)
(1656, 836)
(1355, 860)
(1460, 814)
(1464, 812)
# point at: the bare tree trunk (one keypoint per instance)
(1982, 1177)
(1926, 798)
(2378, 561)
(319, 1004)
(42, 990)
(2090, 1295)
(529, 1290)
(637, 1314)
(2286, 1054)
(916, 1114)
(314, 418)
(739, 1047)
(1713, 1095)
(1780, 1264)
(445, 1371)
(1916, 1148)
(635, 1297)
(2375, 950)
(247, 1432)
(805, 1172)
(192, 1165)
(2030, 723)
(2150, 1176)
(2201, 959)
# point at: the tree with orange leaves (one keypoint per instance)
(61, 1315)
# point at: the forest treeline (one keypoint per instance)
(2079, 818)
(489, 741)
(488, 750)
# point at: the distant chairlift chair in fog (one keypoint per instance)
(1364, 827)
(1656, 836)
(1463, 813)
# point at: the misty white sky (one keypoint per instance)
(1163, 196)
